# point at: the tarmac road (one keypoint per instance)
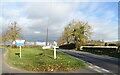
(108, 63)
(5, 67)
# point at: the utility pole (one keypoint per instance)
(47, 37)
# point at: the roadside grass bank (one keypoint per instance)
(39, 60)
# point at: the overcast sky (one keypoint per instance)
(35, 17)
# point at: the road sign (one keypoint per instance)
(55, 43)
(20, 43)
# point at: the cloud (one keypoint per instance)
(56, 12)
(36, 32)
(59, 0)
(32, 17)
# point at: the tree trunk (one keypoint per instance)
(67, 41)
(4, 43)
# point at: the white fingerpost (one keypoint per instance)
(20, 51)
(54, 52)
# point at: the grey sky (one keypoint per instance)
(35, 17)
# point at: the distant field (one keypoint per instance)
(39, 60)
(1, 47)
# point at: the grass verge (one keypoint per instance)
(39, 60)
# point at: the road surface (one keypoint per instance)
(107, 63)
(5, 67)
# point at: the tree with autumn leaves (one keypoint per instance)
(76, 32)
(12, 33)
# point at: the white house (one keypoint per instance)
(41, 43)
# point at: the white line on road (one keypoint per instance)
(97, 70)
(102, 69)
(105, 70)
(90, 67)
(96, 66)
(94, 69)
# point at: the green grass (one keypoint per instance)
(39, 60)
(2, 47)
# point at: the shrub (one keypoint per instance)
(68, 46)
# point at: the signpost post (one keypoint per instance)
(20, 43)
(20, 51)
(55, 44)
(54, 52)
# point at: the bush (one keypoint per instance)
(68, 46)
(112, 45)
(106, 44)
